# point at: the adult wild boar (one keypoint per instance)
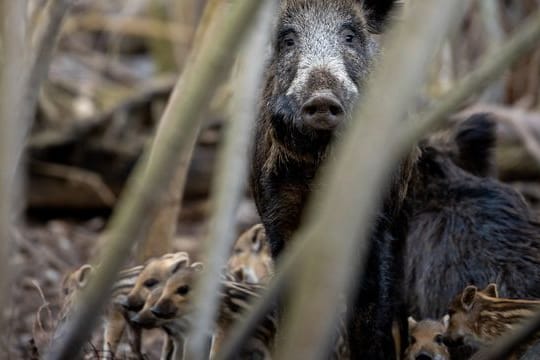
(323, 51)
(467, 228)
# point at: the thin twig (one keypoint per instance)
(42, 43)
(78, 176)
(231, 173)
(146, 185)
(163, 228)
(12, 69)
(130, 26)
(490, 69)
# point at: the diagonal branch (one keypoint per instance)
(231, 173)
(337, 230)
(40, 49)
(146, 185)
(493, 65)
(12, 69)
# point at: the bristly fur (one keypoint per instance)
(467, 229)
(327, 46)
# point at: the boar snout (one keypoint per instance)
(424, 356)
(323, 111)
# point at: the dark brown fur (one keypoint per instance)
(288, 154)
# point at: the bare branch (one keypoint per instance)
(42, 44)
(146, 186)
(12, 69)
(343, 211)
(231, 173)
(492, 67)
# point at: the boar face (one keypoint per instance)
(323, 53)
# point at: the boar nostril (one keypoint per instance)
(322, 112)
(423, 357)
(310, 110)
(336, 110)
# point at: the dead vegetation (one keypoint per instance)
(108, 84)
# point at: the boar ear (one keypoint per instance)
(180, 264)
(468, 296)
(379, 13)
(476, 139)
(197, 266)
(412, 322)
(445, 321)
(491, 290)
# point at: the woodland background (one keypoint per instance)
(110, 77)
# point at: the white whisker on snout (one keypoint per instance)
(331, 65)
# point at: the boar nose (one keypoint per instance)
(323, 112)
(424, 356)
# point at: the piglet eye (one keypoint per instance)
(150, 283)
(451, 312)
(183, 290)
(412, 340)
(439, 339)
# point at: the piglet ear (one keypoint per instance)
(197, 266)
(445, 321)
(379, 13)
(257, 241)
(84, 275)
(180, 264)
(468, 296)
(491, 290)
(412, 322)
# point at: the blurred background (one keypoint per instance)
(116, 63)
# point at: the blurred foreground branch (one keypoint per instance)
(163, 226)
(231, 173)
(337, 228)
(494, 64)
(12, 52)
(146, 185)
(43, 39)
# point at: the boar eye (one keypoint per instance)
(183, 290)
(150, 283)
(412, 340)
(287, 38)
(289, 41)
(451, 312)
(348, 36)
(439, 339)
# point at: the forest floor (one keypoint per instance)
(48, 249)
